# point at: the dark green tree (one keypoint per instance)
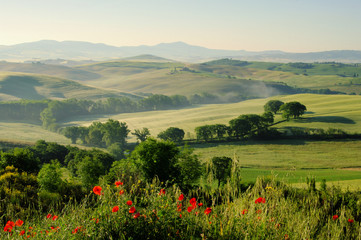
(204, 133)
(222, 167)
(239, 127)
(293, 109)
(157, 158)
(72, 133)
(173, 134)
(273, 106)
(22, 159)
(141, 134)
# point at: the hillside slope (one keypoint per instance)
(15, 86)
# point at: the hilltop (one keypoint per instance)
(180, 51)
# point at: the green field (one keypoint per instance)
(294, 160)
(16, 86)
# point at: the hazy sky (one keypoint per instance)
(254, 25)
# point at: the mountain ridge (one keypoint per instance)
(179, 51)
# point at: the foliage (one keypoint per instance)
(141, 134)
(222, 168)
(293, 109)
(273, 106)
(49, 177)
(173, 134)
(163, 159)
(21, 158)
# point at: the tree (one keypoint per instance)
(222, 167)
(273, 106)
(141, 134)
(172, 134)
(204, 132)
(293, 109)
(239, 127)
(157, 158)
(72, 133)
(49, 177)
(89, 171)
(163, 159)
(21, 158)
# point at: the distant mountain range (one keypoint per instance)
(179, 51)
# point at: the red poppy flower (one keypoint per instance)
(180, 215)
(193, 201)
(260, 200)
(132, 210)
(350, 220)
(118, 183)
(181, 197)
(115, 209)
(75, 230)
(8, 228)
(19, 223)
(55, 217)
(48, 216)
(22, 232)
(244, 211)
(208, 211)
(121, 192)
(97, 190)
(136, 215)
(335, 217)
(129, 203)
(161, 192)
(11, 224)
(200, 204)
(189, 209)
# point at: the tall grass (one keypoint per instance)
(268, 210)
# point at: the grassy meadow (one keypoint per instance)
(294, 160)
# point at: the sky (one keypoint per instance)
(252, 25)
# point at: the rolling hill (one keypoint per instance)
(15, 86)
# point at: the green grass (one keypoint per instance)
(15, 86)
(29, 133)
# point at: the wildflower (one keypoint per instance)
(260, 200)
(136, 215)
(8, 228)
(193, 201)
(75, 230)
(48, 216)
(181, 197)
(350, 220)
(269, 188)
(19, 223)
(335, 217)
(55, 217)
(22, 232)
(179, 207)
(161, 192)
(200, 204)
(132, 210)
(129, 203)
(115, 209)
(180, 215)
(259, 211)
(208, 211)
(118, 183)
(96, 220)
(121, 192)
(97, 190)
(189, 209)
(244, 211)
